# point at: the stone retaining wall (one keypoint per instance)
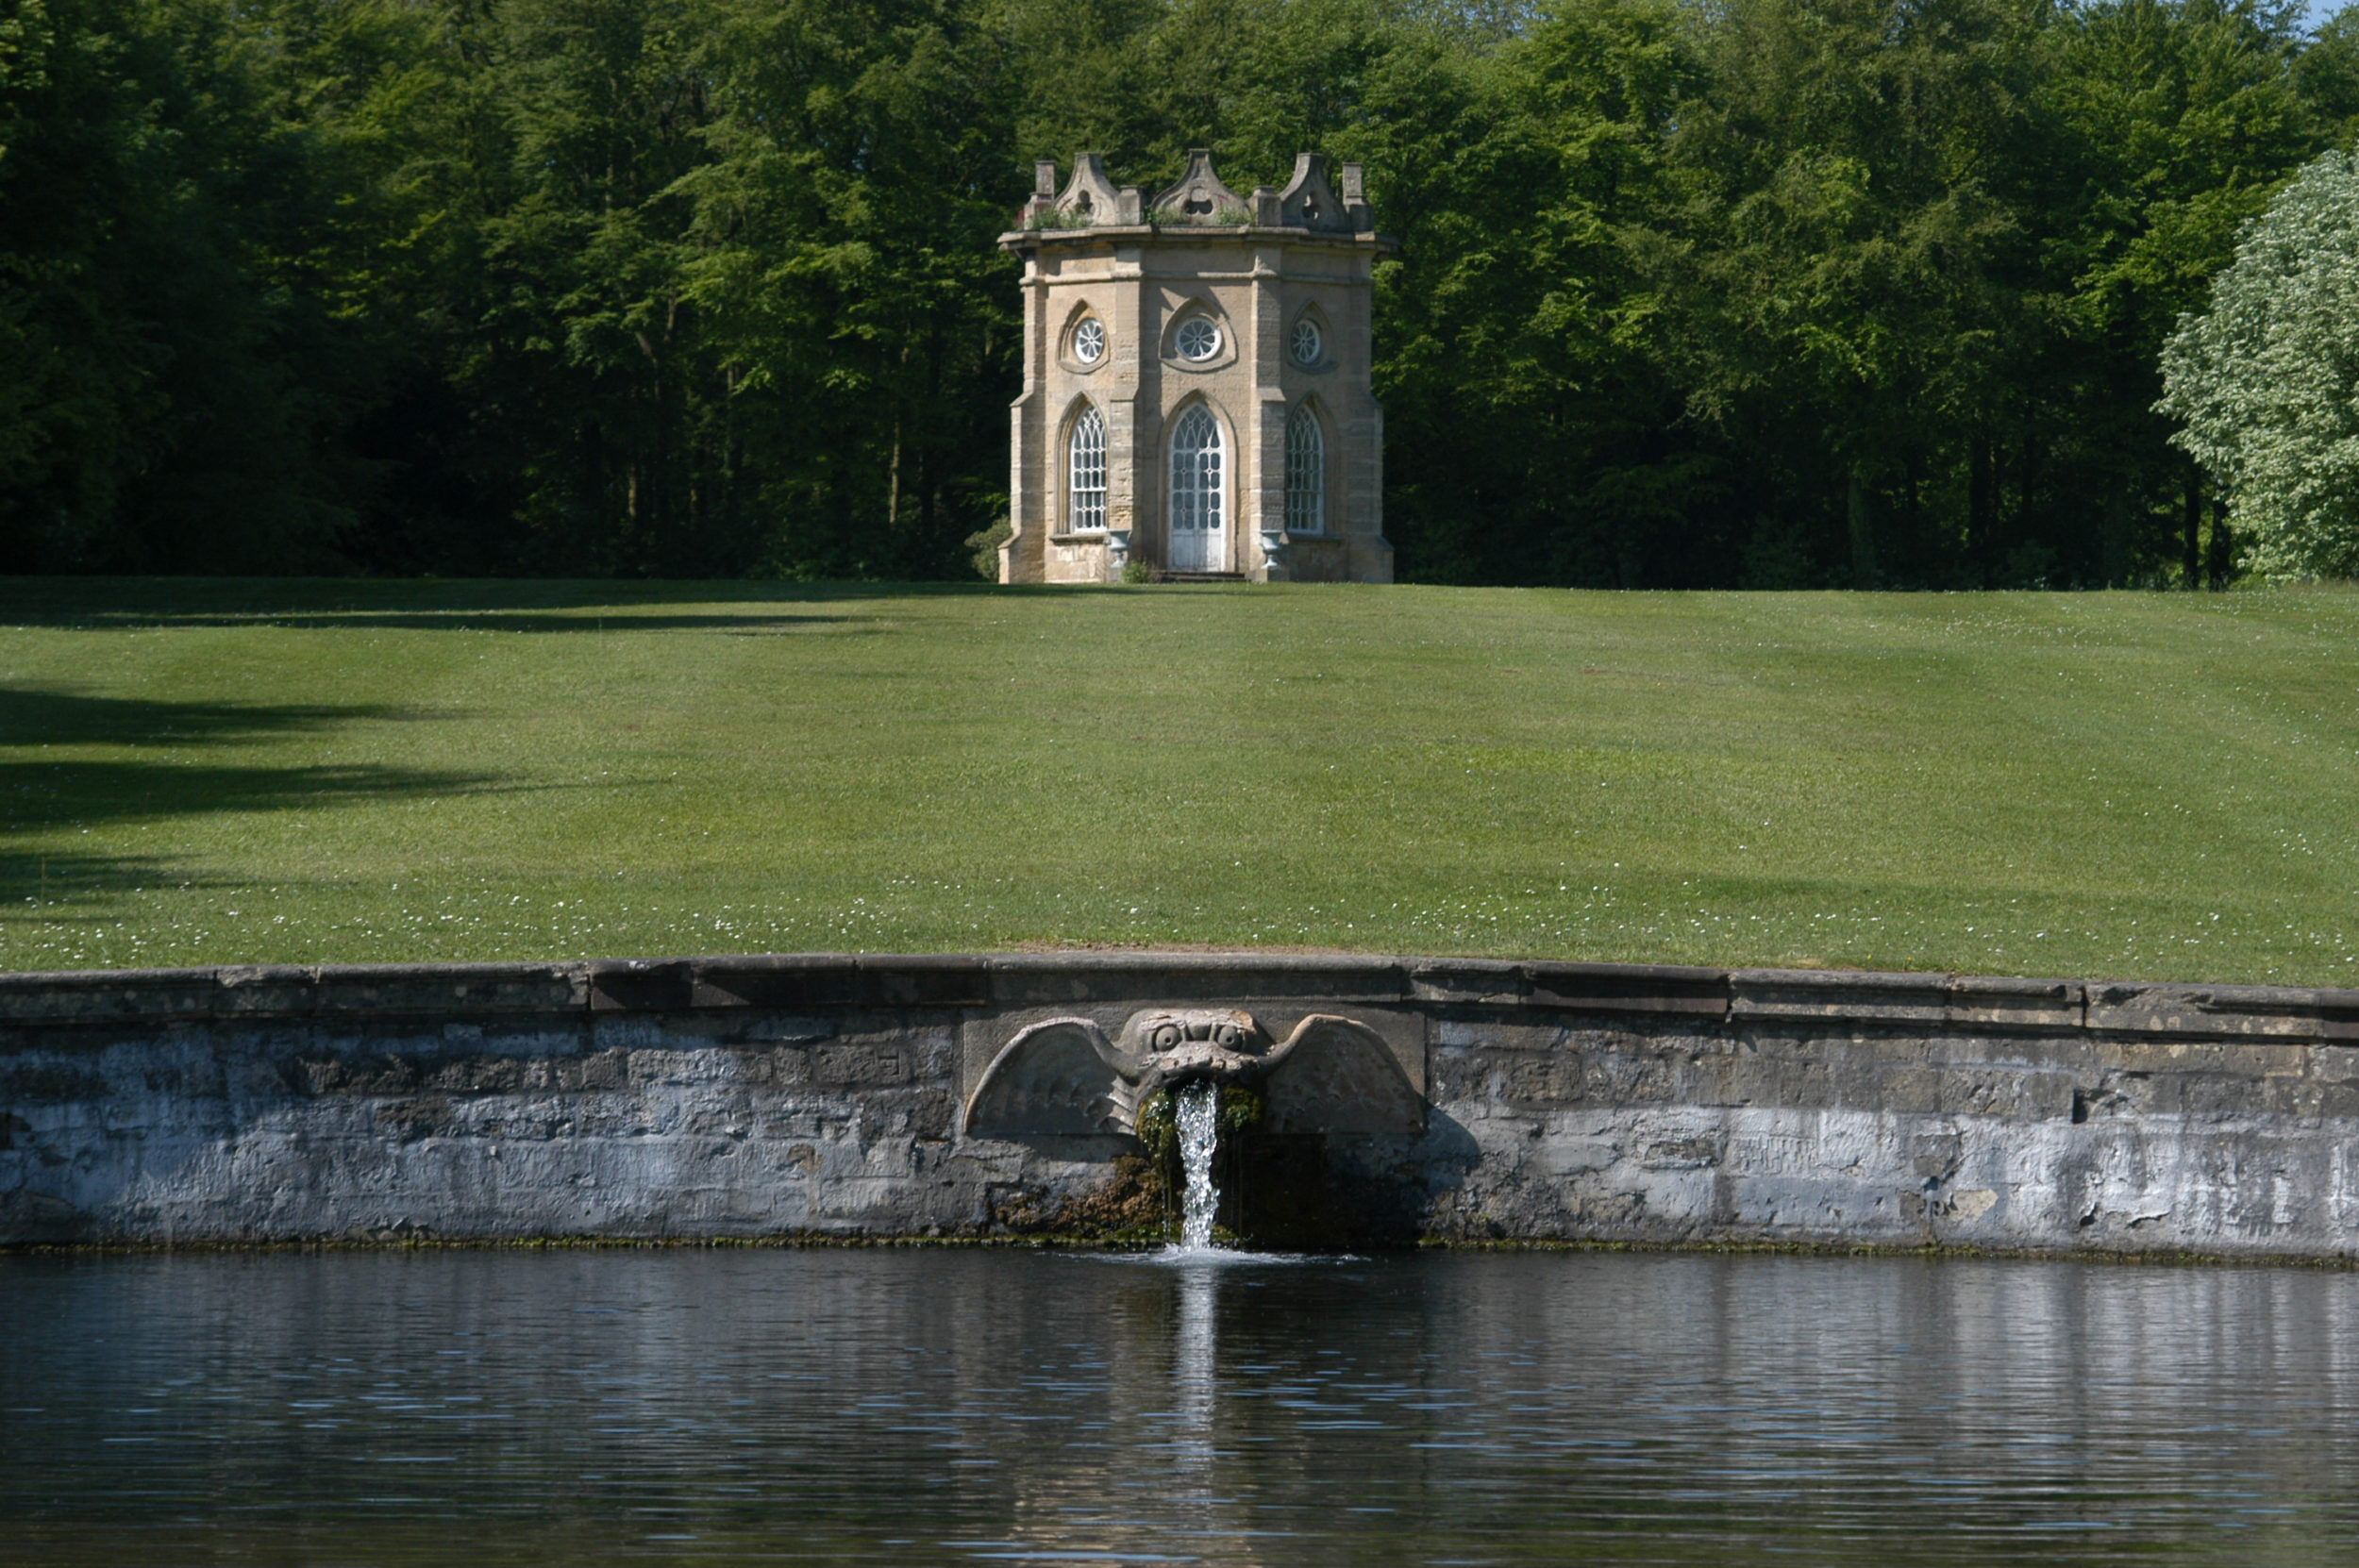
(717, 1097)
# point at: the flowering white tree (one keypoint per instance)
(2266, 382)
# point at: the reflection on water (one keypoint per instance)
(941, 1406)
(1194, 1349)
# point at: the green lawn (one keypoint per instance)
(2117, 785)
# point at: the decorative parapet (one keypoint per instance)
(1308, 202)
(1090, 199)
(1198, 199)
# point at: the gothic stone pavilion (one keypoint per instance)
(1195, 380)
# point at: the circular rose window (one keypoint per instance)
(1307, 344)
(1089, 341)
(1198, 338)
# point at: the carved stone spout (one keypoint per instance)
(1177, 1047)
(1065, 1076)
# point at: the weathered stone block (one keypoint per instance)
(2209, 1011)
(1067, 981)
(1647, 989)
(1633, 1077)
(1851, 996)
(475, 991)
(859, 1064)
(1909, 1088)
(2004, 1090)
(33, 1081)
(924, 980)
(1478, 982)
(478, 1076)
(259, 990)
(642, 985)
(1985, 1001)
(2140, 1094)
(1516, 1036)
(1532, 1082)
(1458, 1073)
(2338, 1016)
(1805, 1084)
(793, 982)
(105, 996)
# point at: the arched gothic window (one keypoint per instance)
(1085, 503)
(1196, 508)
(1306, 474)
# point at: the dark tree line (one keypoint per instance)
(1766, 292)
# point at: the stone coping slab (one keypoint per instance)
(965, 982)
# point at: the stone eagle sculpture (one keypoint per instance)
(1066, 1077)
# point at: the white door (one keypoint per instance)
(1200, 541)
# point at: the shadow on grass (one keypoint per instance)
(38, 795)
(32, 885)
(93, 602)
(44, 887)
(480, 604)
(38, 716)
(460, 620)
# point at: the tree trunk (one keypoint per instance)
(2116, 542)
(1912, 552)
(2223, 551)
(1863, 532)
(1981, 503)
(2193, 561)
(900, 388)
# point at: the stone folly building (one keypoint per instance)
(1196, 393)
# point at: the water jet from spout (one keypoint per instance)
(1198, 1118)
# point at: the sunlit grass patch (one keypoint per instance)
(2117, 784)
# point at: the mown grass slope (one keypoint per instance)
(2113, 785)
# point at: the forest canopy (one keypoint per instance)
(1691, 292)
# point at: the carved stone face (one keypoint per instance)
(1229, 1028)
(1224, 1043)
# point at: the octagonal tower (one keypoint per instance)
(1196, 392)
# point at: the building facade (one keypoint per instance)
(1196, 395)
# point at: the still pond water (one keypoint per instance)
(948, 1407)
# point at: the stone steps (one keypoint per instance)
(1196, 577)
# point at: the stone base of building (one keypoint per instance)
(1075, 559)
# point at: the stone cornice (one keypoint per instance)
(1758, 999)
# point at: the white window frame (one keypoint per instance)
(1085, 473)
(1198, 488)
(1305, 472)
(1205, 331)
(1084, 331)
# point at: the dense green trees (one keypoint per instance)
(173, 382)
(1693, 292)
(2268, 379)
(1886, 287)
